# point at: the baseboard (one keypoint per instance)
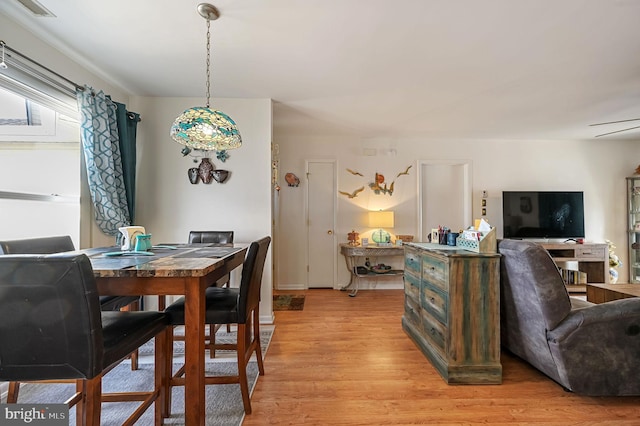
(291, 287)
(369, 285)
(372, 285)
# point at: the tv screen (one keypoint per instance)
(543, 214)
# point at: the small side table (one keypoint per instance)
(352, 254)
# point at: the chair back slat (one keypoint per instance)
(251, 281)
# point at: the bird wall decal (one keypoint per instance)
(354, 193)
(353, 172)
(406, 172)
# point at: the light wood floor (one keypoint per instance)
(346, 361)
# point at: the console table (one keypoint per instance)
(352, 254)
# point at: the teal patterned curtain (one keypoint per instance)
(101, 146)
(127, 128)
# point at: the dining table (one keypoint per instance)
(172, 269)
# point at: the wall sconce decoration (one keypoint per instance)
(206, 172)
(202, 127)
(292, 180)
(380, 187)
(354, 194)
(381, 219)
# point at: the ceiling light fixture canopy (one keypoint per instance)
(202, 127)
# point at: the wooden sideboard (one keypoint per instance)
(452, 311)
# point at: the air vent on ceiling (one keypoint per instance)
(36, 8)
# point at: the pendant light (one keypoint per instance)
(204, 128)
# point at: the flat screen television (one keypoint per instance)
(543, 214)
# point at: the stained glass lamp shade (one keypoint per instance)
(206, 129)
(381, 220)
(202, 127)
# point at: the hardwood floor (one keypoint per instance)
(346, 361)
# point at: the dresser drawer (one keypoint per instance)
(433, 330)
(435, 271)
(434, 302)
(412, 313)
(412, 262)
(412, 287)
(590, 252)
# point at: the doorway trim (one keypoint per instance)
(468, 188)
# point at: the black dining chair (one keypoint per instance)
(224, 305)
(52, 328)
(213, 237)
(59, 244)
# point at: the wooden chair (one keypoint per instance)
(52, 328)
(228, 306)
(59, 244)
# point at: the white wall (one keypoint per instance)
(24, 41)
(169, 206)
(596, 167)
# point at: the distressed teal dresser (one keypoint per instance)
(452, 311)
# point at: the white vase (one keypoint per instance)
(613, 276)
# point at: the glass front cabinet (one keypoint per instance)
(633, 197)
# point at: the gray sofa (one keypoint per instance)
(588, 349)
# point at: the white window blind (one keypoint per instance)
(34, 81)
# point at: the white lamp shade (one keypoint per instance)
(381, 219)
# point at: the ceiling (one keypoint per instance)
(422, 69)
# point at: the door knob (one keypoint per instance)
(330, 232)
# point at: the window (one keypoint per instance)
(39, 170)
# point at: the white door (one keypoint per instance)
(321, 200)
(445, 196)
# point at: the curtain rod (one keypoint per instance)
(76, 85)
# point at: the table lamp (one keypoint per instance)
(381, 220)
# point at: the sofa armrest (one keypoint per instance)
(622, 311)
(597, 348)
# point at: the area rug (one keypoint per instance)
(288, 302)
(266, 331)
(223, 402)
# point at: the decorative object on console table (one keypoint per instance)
(353, 238)
(452, 312)
(405, 238)
(381, 219)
